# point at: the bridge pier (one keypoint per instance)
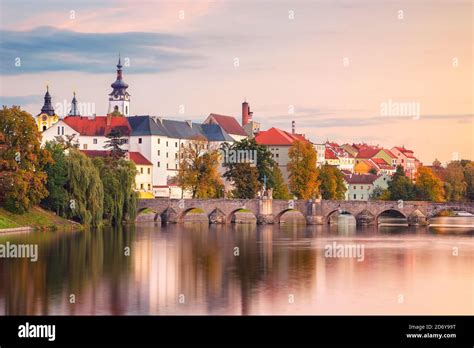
(265, 212)
(365, 218)
(417, 219)
(315, 216)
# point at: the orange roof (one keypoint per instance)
(406, 152)
(367, 152)
(329, 154)
(276, 136)
(380, 162)
(98, 125)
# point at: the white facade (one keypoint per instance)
(320, 151)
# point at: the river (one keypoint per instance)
(244, 269)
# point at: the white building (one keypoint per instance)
(361, 186)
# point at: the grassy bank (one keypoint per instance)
(36, 217)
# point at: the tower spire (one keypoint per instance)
(47, 106)
(74, 109)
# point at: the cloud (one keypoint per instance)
(47, 49)
(20, 100)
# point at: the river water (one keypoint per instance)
(244, 269)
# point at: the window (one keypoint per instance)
(354, 187)
(158, 152)
(139, 140)
(141, 170)
(149, 186)
(84, 146)
(158, 164)
(59, 130)
(167, 155)
(175, 166)
(167, 143)
(158, 141)
(176, 156)
(175, 144)
(141, 186)
(361, 196)
(44, 128)
(94, 140)
(148, 170)
(126, 110)
(125, 141)
(362, 187)
(277, 155)
(354, 196)
(167, 166)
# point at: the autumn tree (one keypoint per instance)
(22, 178)
(428, 187)
(198, 169)
(302, 169)
(401, 187)
(455, 184)
(331, 183)
(469, 178)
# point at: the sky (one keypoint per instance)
(382, 72)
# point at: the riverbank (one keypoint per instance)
(35, 219)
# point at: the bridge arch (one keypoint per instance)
(169, 215)
(296, 211)
(393, 211)
(251, 218)
(337, 212)
(193, 214)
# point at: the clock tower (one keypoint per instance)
(119, 99)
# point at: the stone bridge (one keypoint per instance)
(313, 211)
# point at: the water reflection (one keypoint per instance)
(243, 269)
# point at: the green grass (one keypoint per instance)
(196, 211)
(243, 211)
(36, 217)
(147, 211)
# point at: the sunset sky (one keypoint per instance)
(333, 62)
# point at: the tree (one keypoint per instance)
(118, 180)
(428, 187)
(56, 171)
(280, 190)
(331, 183)
(469, 177)
(244, 178)
(401, 187)
(114, 144)
(198, 170)
(455, 184)
(67, 141)
(302, 168)
(85, 189)
(22, 179)
(378, 193)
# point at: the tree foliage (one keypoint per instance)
(331, 183)
(401, 187)
(198, 170)
(302, 169)
(428, 187)
(57, 173)
(455, 184)
(114, 143)
(22, 178)
(280, 189)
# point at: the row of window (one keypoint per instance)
(142, 187)
(158, 164)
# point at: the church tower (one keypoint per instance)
(74, 107)
(119, 99)
(47, 117)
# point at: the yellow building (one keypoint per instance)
(364, 167)
(144, 178)
(47, 117)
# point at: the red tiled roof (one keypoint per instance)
(329, 154)
(275, 136)
(229, 123)
(98, 125)
(390, 153)
(135, 157)
(138, 158)
(406, 152)
(367, 152)
(332, 144)
(360, 178)
(380, 162)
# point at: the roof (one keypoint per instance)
(97, 126)
(146, 125)
(406, 152)
(276, 136)
(367, 152)
(182, 129)
(135, 157)
(329, 154)
(380, 162)
(229, 123)
(138, 158)
(215, 132)
(361, 178)
(390, 153)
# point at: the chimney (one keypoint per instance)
(109, 119)
(190, 123)
(246, 114)
(293, 127)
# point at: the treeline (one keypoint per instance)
(61, 178)
(199, 172)
(455, 182)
